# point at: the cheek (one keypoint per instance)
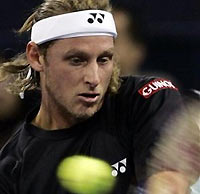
(66, 76)
(66, 84)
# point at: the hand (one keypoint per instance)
(168, 182)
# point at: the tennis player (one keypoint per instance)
(86, 108)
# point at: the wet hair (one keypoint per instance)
(16, 70)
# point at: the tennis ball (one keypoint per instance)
(85, 175)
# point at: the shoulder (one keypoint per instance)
(11, 145)
(133, 83)
(145, 86)
(147, 95)
(9, 163)
(16, 143)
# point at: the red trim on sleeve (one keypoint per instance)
(154, 86)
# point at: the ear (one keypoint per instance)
(34, 57)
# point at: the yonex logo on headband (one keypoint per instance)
(96, 16)
(74, 24)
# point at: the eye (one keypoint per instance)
(104, 60)
(76, 61)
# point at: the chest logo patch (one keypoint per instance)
(119, 167)
(154, 86)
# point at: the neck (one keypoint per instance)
(51, 119)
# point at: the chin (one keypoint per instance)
(85, 114)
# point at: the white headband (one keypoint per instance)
(75, 24)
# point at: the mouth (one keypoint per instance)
(89, 97)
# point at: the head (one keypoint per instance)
(75, 72)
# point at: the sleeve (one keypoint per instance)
(7, 184)
(9, 168)
(153, 104)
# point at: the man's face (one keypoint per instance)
(77, 74)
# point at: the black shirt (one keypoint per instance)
(121, 133)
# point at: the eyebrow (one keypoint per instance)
(109, 52)
(77, 52)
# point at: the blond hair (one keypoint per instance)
(16, 70)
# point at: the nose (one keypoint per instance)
(91, 77)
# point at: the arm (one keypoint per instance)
(149, 121)
(176, 158)
(168, 182)
(7, 182)
(150, 112)
(9, 168)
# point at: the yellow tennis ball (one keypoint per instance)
(85, 175)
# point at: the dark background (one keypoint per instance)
(171, 30)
